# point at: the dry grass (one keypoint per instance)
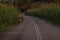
(46, 11)
(39, 5)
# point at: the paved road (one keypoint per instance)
(32, 29)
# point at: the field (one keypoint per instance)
(8, 16)
(49, 12)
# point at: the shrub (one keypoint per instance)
(8, 16)
(50, 13)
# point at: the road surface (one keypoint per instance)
(32, 29)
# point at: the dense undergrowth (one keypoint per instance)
(8, 16)
(50, 12)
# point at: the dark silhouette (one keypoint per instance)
(22, 10)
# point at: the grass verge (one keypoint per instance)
(48, 12)
(9, 15)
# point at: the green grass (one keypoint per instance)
(8, 16)
(51, 14)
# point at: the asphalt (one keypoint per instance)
(32, 29)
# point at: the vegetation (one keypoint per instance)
(50, 12)
(20, 3)
(8, 16)
(39, 8)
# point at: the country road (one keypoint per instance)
(32, 29)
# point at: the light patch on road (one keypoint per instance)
(38, 34)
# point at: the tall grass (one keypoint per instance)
(8, 16)
(49, 12)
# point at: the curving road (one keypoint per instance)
(32, 29)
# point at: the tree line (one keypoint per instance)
(26, 1)
(19, 3)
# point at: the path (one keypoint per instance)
(32, 29)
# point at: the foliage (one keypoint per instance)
(8, 16)
(47, 12)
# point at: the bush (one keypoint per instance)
(8, 16)
(50, 13)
